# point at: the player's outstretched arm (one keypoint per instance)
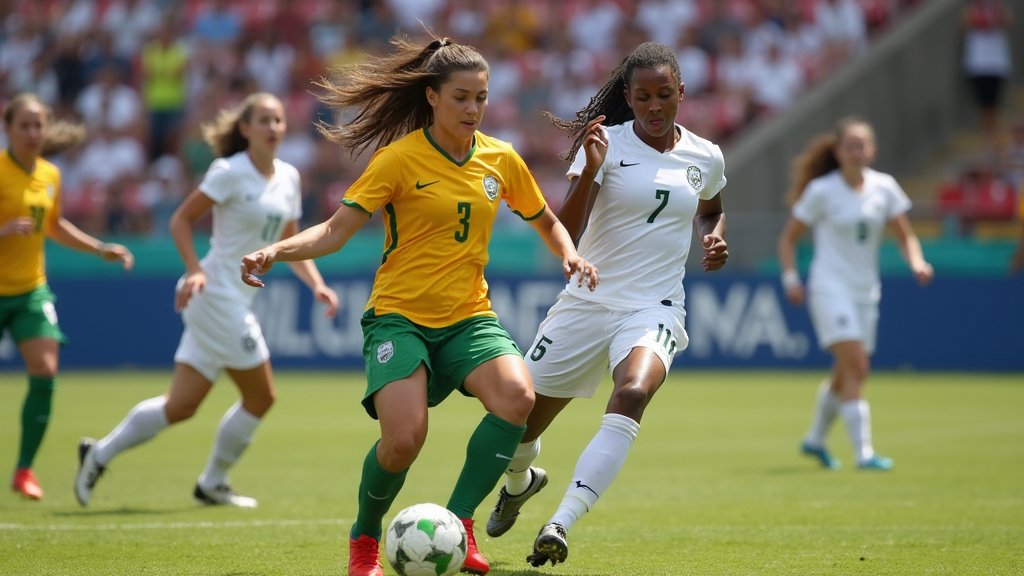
(557, 238)
(307, 271)
(910, 248)
(67, 234)
(319, 240)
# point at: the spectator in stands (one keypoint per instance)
(218, 24)
(987, 61)
(848, 205)
(109, 101)
(254, 198)
(843, 28)
(1013, 157)
(633, 326)
(775, 79)
(30, 212)
(80, 35)
(1017, 260)
(131, 22)
(427, 335)
(163, 67)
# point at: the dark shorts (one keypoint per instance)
(393, 347)
(31, 315)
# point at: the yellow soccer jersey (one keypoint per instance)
(36, 194)
(438, 215)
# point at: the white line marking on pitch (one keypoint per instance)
(174, 525)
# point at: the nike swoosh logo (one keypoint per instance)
(503, 457)
(375, 497)
(422, 186)
(624, 164)
(580, 484)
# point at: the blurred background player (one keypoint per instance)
(30, 212)
(255, 198)
(429, 329)
(836, 193)
(635, 188)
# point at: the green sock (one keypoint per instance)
(35, 415)
(377, 490)
(490, 449)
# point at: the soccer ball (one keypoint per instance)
(426, 540)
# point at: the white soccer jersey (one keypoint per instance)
(250, 213)
(640, 229)
(848, 228)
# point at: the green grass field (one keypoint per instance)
(714, 484)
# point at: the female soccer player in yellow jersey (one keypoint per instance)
(428, 328)
(30, 213)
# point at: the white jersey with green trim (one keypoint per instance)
(641, 227)
(848, 229)
(250, 213)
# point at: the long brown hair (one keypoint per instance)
(223, 133)
(59, 134)
(389, 92)
(819, 157)
(610, 100)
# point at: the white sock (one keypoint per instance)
(142, 423)
(233, 436)
(597, 466)
(857, 415)
(517, 476)
(824, 414)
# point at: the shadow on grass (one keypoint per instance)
(120, 512)
(505, 569)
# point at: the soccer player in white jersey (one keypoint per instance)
(637, 182)
(255, 199)
(848, 205)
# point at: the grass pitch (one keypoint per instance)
(714, 485)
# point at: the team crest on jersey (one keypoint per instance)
(694, 178)
(491, 187)
(385, 351)
(248, 343)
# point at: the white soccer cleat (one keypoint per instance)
(222, 495)
(89, 471)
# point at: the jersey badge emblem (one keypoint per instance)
(694, 178)
(385, 351)
(491, 187)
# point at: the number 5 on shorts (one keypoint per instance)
(540, 348)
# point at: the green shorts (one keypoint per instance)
(31, 315)
(393, 347)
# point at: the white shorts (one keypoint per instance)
(579, 341)
(220, 332)
(838, 317)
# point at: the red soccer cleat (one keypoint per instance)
(475, 562)
(364, 557)
(25, 483)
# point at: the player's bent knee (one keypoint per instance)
(630, 401)
(179, 413)
(399, 451)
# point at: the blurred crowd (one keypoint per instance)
(143, 75)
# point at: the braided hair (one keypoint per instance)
(610, 100)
